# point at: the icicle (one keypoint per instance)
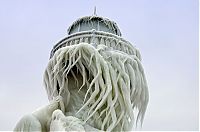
(115, 82)
(102, 40)
(79, 27)
(70, 42)
(98, 27)
(76, 41)
(107, 42)
(81, 40)
(86, 40)
(113, 43)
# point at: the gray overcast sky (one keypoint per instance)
(165, 31)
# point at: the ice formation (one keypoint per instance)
(96, 79)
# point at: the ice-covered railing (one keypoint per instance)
(97, 37)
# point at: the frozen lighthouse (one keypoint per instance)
(94, 81)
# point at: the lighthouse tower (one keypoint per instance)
(94, 81)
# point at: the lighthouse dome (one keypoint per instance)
(97, 23)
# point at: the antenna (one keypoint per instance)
(95, 11)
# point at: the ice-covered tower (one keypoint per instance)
(109, 69)
(94, 80)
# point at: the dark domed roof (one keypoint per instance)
(94, 23)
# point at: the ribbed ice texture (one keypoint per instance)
(116, 94)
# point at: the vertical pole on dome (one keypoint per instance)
(95, 11)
